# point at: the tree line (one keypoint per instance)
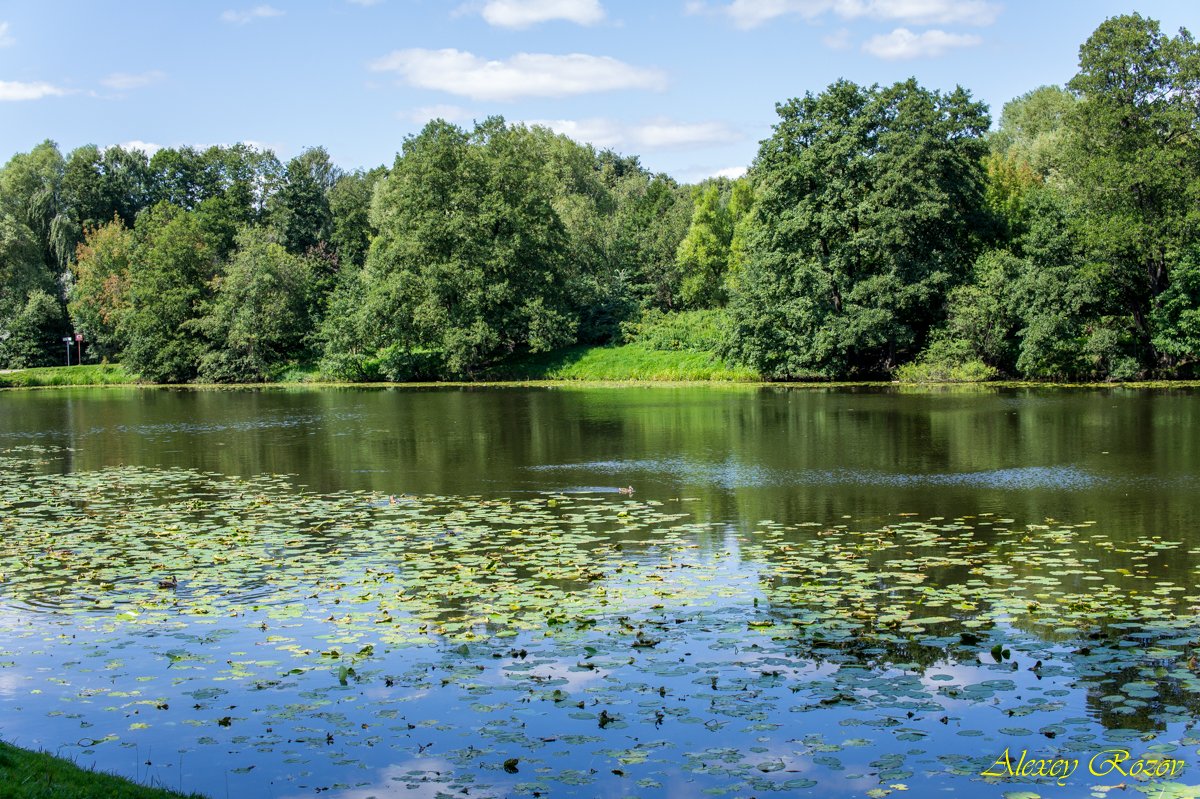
(881, 230)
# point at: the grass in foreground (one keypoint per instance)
(37, 775)
(624, 363)
(87, 375)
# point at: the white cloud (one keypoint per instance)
(697, 173)
(419, 778)
(657, 134)
(731, 172)
(523, 13)
(5, 38)
(903, 44)
(523, 75)
(752, 13)
(149, 148)
(602, 133)
(12, 91)
(126, 80)
(243, 17)
(663, 134)
(928, 12)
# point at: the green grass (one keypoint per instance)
(37, 775)
(631, 362)
(625, 363)
(635, 362)
(89, 375)
(695, 331)
(297, 373)
(935, 371)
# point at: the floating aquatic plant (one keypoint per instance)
(554, 643)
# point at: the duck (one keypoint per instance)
(627, 490)
(173, 582)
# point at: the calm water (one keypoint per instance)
(1129, 457)
(1091, 493)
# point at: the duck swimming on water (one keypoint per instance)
(173, 582)
(627, 490)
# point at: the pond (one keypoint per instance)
(443, 592)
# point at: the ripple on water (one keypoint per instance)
(732, 474)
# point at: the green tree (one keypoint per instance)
(651, 217)
(1040, 310)
(21, 266)
(98, 184)
(29, 326)
(300, 209)
(1135, 164)
(741, 206)
(31, 191)
(1176, 316)
(170, 279)
(247, 177)
(1011, 185)
(32, 335)
(262, 313)
(244, 175)
(599, 290)
(348, 336)
(185, 176)
(869, 209)
(703, 255)
(1059, 299)
(1032, 130)
(350, 209)
(469, 262)
(1027, 152)
(99, 294)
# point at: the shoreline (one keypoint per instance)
(38, 775)
(1141, 385)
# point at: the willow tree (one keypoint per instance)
(31, 319)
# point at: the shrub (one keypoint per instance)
(691, 331)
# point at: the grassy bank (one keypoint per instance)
(632, 362)
(87, 375)
(36, 775)
(625, 363)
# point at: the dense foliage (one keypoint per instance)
(881, 230)
(870, 208)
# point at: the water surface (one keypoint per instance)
(802, 595)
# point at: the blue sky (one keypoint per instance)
(689, 85)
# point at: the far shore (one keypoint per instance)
(113, 376)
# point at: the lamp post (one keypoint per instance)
(69, 340)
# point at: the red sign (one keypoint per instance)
(79, 337)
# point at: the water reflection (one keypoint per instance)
(762, 617)
(1129, 458)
